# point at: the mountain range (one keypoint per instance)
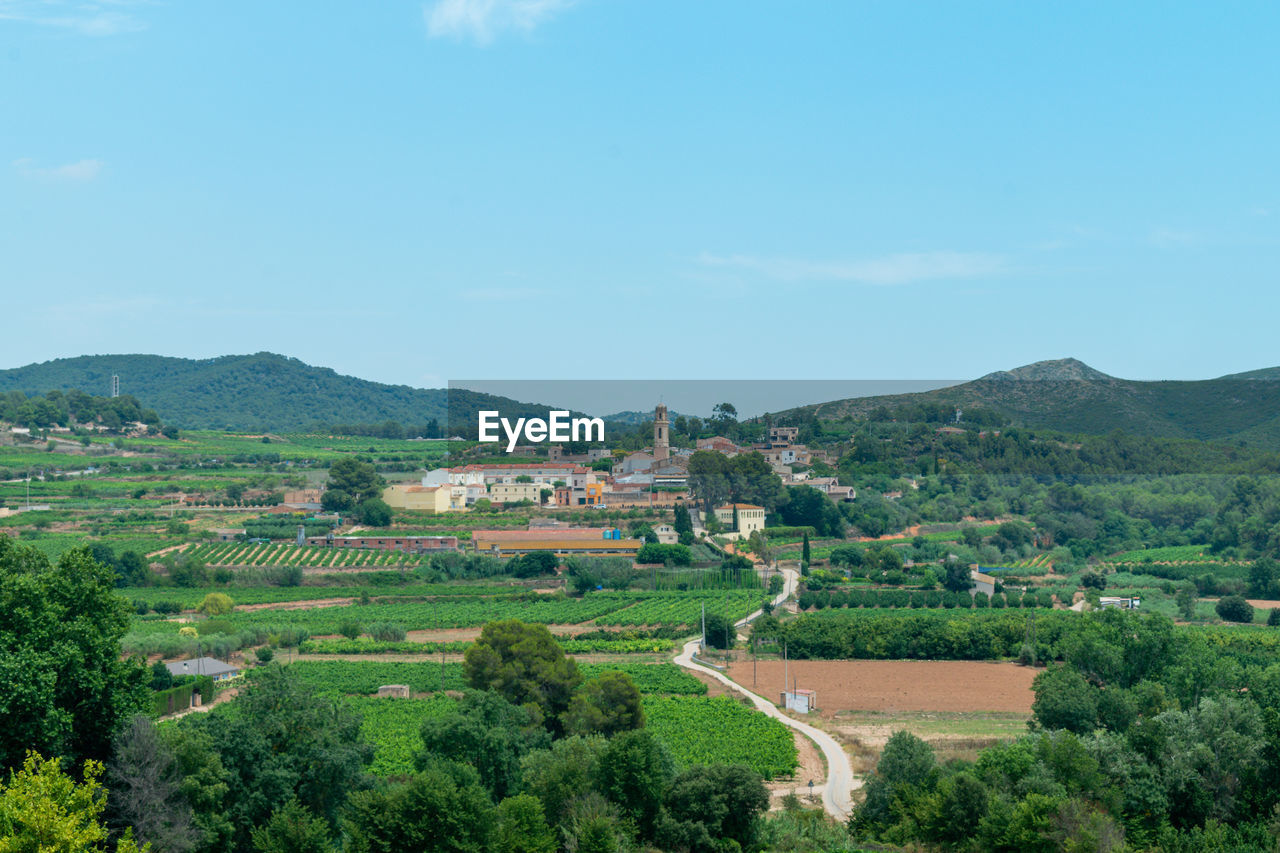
(1069, 395)
(274, 392)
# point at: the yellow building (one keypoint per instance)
(750, 518)
(437, 499)
(510, 493)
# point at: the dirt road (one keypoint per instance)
(837, 792)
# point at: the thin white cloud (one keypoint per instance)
(84, 17)
(904, 268)
(482, 20)
(1172, 238)
(80, 171)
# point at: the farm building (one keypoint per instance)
(509, 542)
(1122, 603)
(211, 667)
(982, 583)
(407, 544)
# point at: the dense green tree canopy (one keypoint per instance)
(356, 478)
(526, 666)
(65, 690)
(488, 733)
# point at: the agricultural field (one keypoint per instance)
(897, 685)
(705, 730)
(190, 598)
(307, 556)
(353, 677)
(606, 608)
(571, 644)
(1173, 553)
(392, 726)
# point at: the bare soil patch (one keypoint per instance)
(898, 685)
(811, 768)
(1263, 603)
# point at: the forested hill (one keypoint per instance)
(261, 391)
(1069, 396)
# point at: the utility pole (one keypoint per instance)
(704, 626)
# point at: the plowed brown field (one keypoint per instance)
(890, 685)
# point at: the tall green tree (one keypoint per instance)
(357, 478)
(526, 666)
(286, 742)
(45, 810)
(488, 733)
(522, 827)
(144, 790)
(64, 689)
(709, 478)
(292, 829)
(562, 774)
(634, 772)
(606, 705)
(707, 805)
(443, 808)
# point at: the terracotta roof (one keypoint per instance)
(540, 535)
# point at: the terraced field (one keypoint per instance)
(268, 555)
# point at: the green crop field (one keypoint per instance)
(271, 556)
(190, 598)
(612, 608)
(1173, 553)
(697, 730)
(701, 730)
(392, 726)
(572, 645)
(365, 677)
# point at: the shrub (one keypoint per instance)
(264, 654)
(677, 555)
(216, 604)
(350, 629)
(387, 632)
(214, 626)
(1273, 617)
(1233, 608)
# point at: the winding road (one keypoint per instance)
(837, 793)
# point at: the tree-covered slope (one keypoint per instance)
(261, 391)
(1070, 396)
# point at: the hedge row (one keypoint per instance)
(822, 600)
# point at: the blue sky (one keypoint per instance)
(413, 192)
